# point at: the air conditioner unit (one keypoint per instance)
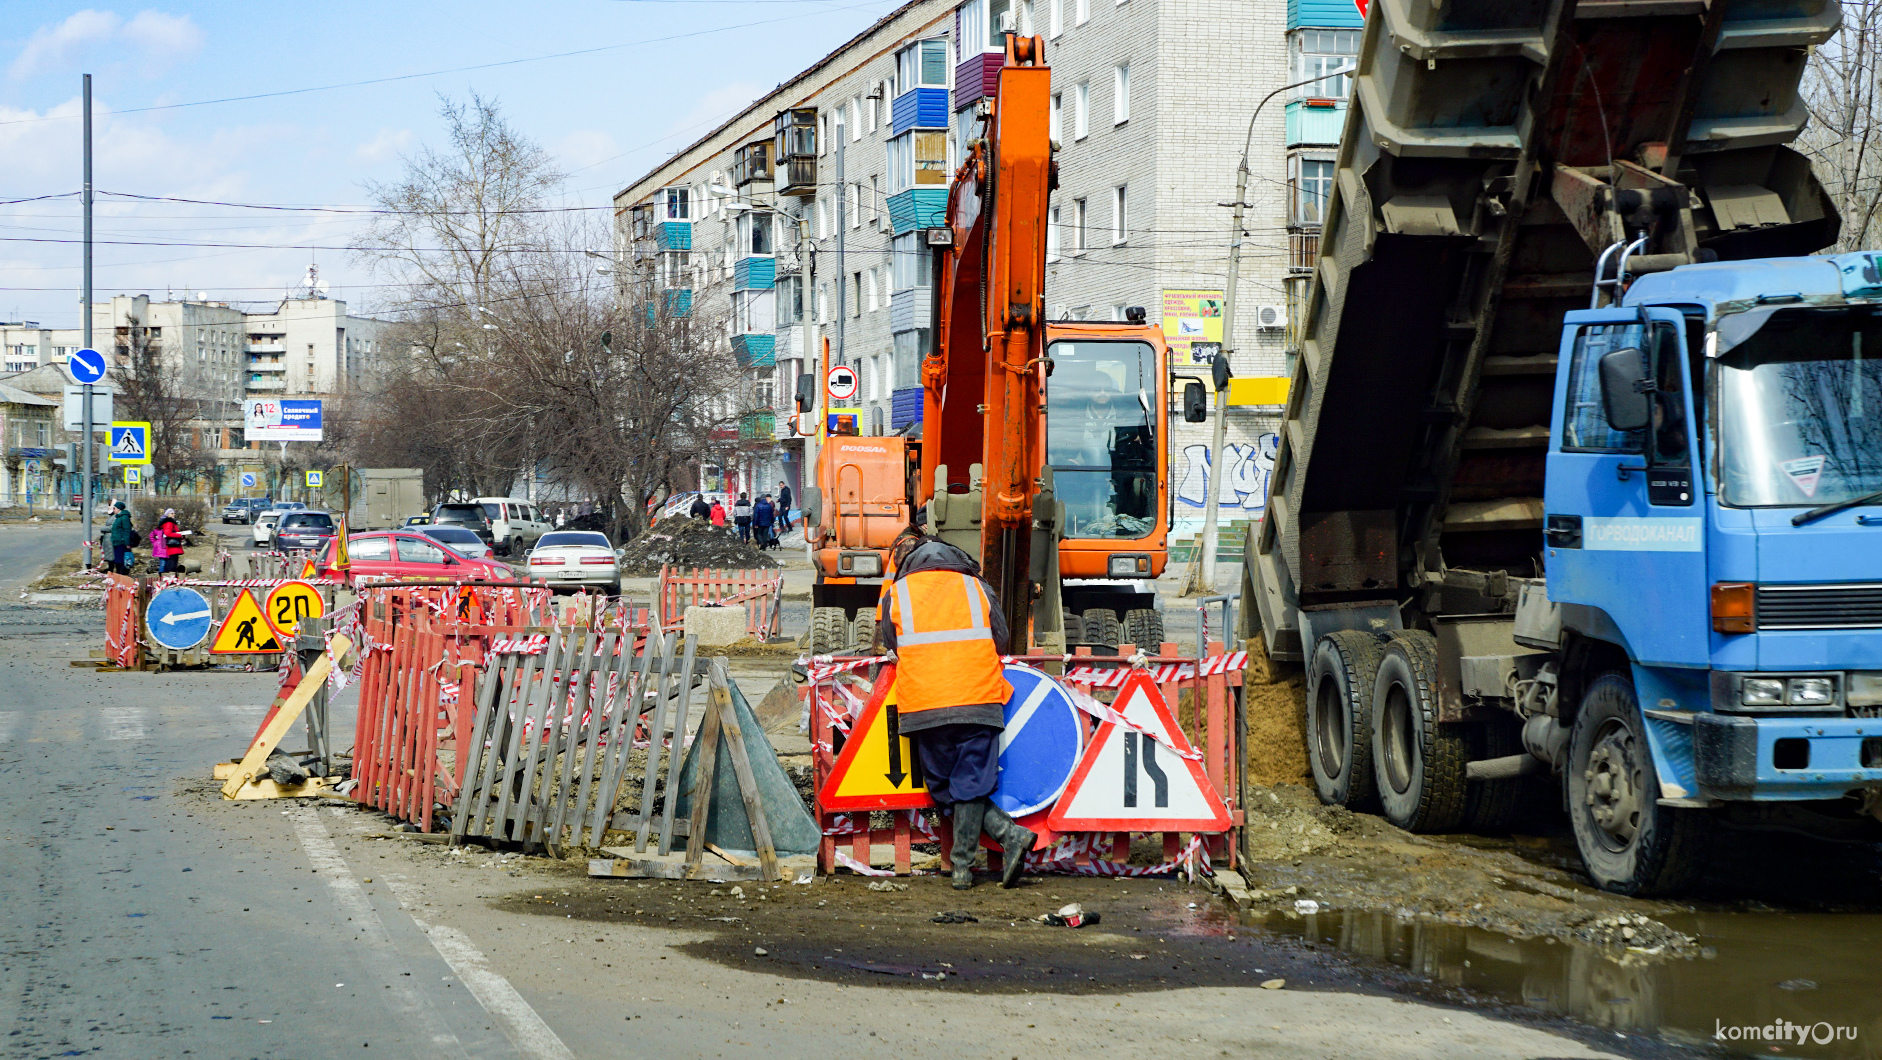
(1271, 317)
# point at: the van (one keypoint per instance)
(514, 524)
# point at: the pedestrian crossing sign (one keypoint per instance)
(133, 476)
(877, 768)
(130, 442)
(244, 630)
(316, 479)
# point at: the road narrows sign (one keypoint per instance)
(290, 602)
(877, 769)
(1129, 782)
(244, 631)
(178, 617)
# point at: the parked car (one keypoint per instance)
(515, 524)
(398, 554)
(460, 540)
(468, 515)
(421, 519)
(303, 530)
(576, 559)
(262, 531)
(244, 509)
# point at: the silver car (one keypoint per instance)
(577, 559)
(463, 542)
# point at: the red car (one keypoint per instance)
(392, 554)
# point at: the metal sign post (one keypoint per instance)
(85, 485)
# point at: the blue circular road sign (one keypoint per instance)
(1040, 746)
(178, 618)
(86, 365)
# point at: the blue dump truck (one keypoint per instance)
(1578, 499)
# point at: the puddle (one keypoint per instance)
(1768, 973)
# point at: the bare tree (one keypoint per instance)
(152, 388)
(1842, 86)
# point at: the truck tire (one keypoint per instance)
(1339, 718)
(1629, 843)
(829, 630)
(1497, 806)
(863, 633)
(1101, 627)
(1074, 629)
(1144, 628)
(1419, 760)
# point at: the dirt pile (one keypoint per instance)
(1277, 743)
(685, 542)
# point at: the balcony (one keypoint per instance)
(919, 108)
(758, 426)
(911, 310)
(1315, 121)
(976, 76)
(267, 366)
(258, 383)
(905, 408)
(794, 151)
(267, 347)
(673, 235)
(752, 164)
(754, 274)
(755, 350)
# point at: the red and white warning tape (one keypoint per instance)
(1115, 676)
(1104, 713)
(1067, 864)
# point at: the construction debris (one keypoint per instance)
(684, 542)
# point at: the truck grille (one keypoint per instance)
(1820, 606)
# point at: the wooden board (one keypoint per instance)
(625, 863)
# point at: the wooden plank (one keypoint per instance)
(493, 732)
(741, 765)
(672, 867)
(676, 755)
(621, 743)
(506, 779)
(257, 755)
(526, 816)
(470, 752)
(567, 737)
(701, 794)
(656, 733)
(605, 704)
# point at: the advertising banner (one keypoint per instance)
(1190, 317)
(282, 420)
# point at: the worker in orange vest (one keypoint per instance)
(947, 631)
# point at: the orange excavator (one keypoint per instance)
(1043, 449)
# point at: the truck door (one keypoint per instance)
(1623, 522)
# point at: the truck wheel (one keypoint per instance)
(1629, 843)
(1419, 760)
(1074, 629)
(829, 630)
(1339, 717)
(1101, 627)
(863, 633)
(1144, 628)
(1494, 806)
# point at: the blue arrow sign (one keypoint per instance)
(1040, 746)
(86, 365)
(248, 480)
(178, 618)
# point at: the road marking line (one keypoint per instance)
(526, 1030)
(352, 900)
(9, 720)
(123, 723)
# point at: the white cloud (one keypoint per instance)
(386, 145)
(152, 41)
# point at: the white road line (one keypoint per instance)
(383, 965)
(525, 1029)
(123, 723)
(9, 720)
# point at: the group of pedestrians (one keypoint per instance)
(167, 540)
(760, 522)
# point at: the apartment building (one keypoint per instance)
(308, 346)
(799, 219)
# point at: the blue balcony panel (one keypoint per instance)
(919, 108)
(905, 408)
(917, 208)
(754, 274)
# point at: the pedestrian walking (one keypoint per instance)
(741, 517)
(945, 626)
(784, 506)
(166, 543)
(700, 509)
(123, 539)
(763, 514)
(718, 512)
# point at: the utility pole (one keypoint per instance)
(85, 513)
(842, 263)
(1210, 541)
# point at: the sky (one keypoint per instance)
(652, 76)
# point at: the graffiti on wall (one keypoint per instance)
(1243, 490)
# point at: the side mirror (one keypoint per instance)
(1219, 368)
(811, 504)
(527, 552)
(1195, 402)
(806, 392)
(620, 553)
(1626, 389)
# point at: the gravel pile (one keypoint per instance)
(685, 542)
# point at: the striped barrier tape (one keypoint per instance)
(1115, 676)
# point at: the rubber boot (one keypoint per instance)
(968, 818)
(1014, 842)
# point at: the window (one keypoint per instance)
(675, 266)
(823, 303)
(1081, 110)
(1052, 234)
(1055, 117)
(412, 550)
(910, 262)
(823, 136)
(1078, 229)
(1315, 52)
(751, 312)
(369, 548)
(790, 300)
(754, 233)
(856, 119)
(1586, 429)
(763, 392)
(1310, 181)
(1119, 230)
(982, 24)
(923, 64)
(869, 107)
(875, 199)
(1121, 93)
(853, 206)
(1081, 12)
(823, 217)
(1101, 437)
(918, 159)
(679, 203)
(856, 294)
(869, 287)
(1055, 17)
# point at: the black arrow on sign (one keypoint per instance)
(895, 774)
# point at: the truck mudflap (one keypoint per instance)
(1771, 759)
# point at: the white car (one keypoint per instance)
(514, 525)
(577, 559)
(463, 542)
(263, 530)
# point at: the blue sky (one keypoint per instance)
(606, 117)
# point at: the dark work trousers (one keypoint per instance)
(961, 762)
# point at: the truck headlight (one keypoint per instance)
(1128, 565)
(1865, 688)
(1762, 692)
(1811, 691)
(859, 564)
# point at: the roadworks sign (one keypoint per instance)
(877, 768)
(1132, 781)
(244, 631)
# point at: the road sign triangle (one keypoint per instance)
(244, 631)
(876, 770)
(1127, 781)
(308, 570)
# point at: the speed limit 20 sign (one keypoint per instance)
(842, 383)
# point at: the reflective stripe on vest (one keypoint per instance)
(977, 628)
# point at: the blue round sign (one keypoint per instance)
(86, 365)
(1040, 746)
(178, 618)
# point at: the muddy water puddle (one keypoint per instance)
(1813, 975)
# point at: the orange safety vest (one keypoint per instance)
(944, 642)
